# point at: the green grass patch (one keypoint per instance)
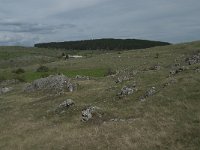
(96, 72)
(30, 76)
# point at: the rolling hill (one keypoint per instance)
(135, 99)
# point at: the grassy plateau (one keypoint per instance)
(167, 120)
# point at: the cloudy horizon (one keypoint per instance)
(26, 22)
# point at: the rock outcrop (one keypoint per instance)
(53, 83)
(194, 59)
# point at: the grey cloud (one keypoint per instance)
(32, 27)
(61, 20)
(18, 39)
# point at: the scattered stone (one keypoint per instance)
(118, 80)
(9, 82)
(117, 120)
(148, 93)
(89, 113)
(67, 103)
(71, 87)
(122, 120)
(5, 90)
(178, 70)
(177, 64)
(124, 75)
(197, 70)
(79, 77)
(193, 59)
(64, 105)
(127, 90)
(172, 72)
(170, 82)
(155, 67)
(53, 83)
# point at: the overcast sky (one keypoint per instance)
(25, 22)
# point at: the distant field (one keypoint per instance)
(169, 119)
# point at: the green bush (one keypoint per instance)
(43, 69)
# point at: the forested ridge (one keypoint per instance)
(102, 44)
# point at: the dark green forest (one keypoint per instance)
(102, 44)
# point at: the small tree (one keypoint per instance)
(63, 54)
(67, 57)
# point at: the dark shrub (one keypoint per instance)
(63, 54)
(43, 69)
(67, 57)
(157, 55)
(19, 71)
(110, 71)
(119, 53)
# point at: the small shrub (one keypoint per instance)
(119, 53)
(43, 69)
(110, 71)
(157, 55)
(19, 71)
(66, 57)
(63, 54)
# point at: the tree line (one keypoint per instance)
(102, 44)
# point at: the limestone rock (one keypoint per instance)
(193, 59)
(148, 93)
(178, 70)
(5, 90)
(124, 75)
(64, 106)
(89, 113)
(155, 67)
(67, 103)
(52, 83)
(127, 90)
